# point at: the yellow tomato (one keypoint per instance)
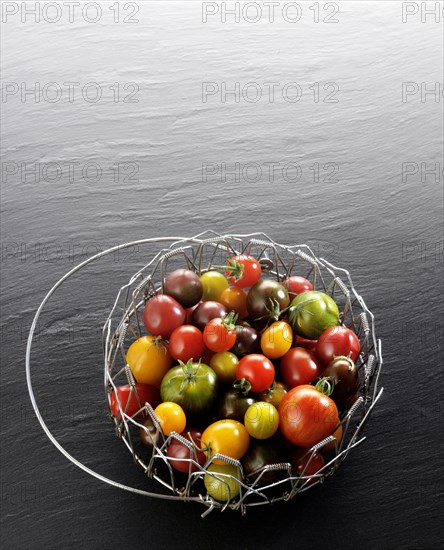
(276, 340)
(226, 437)
(221, 485)
(213, 283)
(171, 417)
(261, 420)
(149, 360)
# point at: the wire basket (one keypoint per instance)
(278, 261)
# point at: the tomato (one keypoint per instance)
(276, 340)
(304, 343)
(224, 365)
(336, 341)
(184, 286)
(222, 485)
(337, 434)
(274, 394)
(307, 416)
(305, 464)
(205, 311)
(311, 313)
(149, 360)
(227, 437)
(132, 401)
(220, 333)
(299, 366)
(243, 271)
(189, 312)
(234, 404)
(235, 299)
(171, 417)
(261, 420)
(180, 454)
(247, 341)
(345, 376)
(296, 285)
(261, 454)
(266, 299)
(162, 314)
(186, 342)
(149, 434)
(213, 284)
(257, 370)
(192, 385)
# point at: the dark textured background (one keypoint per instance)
(386, 229)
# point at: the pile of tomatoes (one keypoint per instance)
(243, 366)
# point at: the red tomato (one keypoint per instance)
(258, 370)
(179, 454)
(307, 416)
(162, 314)
(186, 342)
(297, 285)
(335, 341)
(299, 366)
(220, 334)
(301, 465)
(243, 271)
(132, 402)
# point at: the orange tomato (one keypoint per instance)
(171, 417)
(149, 360)
(235, 299)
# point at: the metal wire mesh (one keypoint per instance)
(278, 261)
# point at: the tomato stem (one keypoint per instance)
(326, 385)
(242, 385)
(234, 268)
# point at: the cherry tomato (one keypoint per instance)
(311, 313)
(149, 360)
(234, 404)
(171, 417)
(180, 454)
(214, 284)
(266, 299)
(345, 376)
(307, 416)
(247, 341)
(336, 341)
(276, 340)
(131, 400)
(296, 285)
(184, 286)
(227, 437)
(307, 465)
(220, 333)
(262, 453)
(258, 370)
(299, 366)
(224, 365)
(243, 271)
(206, 311)
(274, 394)
(261, 420)
(162, 314)
(186, 342)
(235, 299)
(222, 485)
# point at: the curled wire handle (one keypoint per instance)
(51, 437)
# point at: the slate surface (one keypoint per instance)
(368, 211)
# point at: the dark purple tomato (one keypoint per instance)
(233, 404)
(206, 311)
(180, 454)
(266, 299)
(184, 286)
(261, 454)
(345, 375)
(248, 341)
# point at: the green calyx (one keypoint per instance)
(160, 344)
(326, 385)
(229, 320)
(242, 385)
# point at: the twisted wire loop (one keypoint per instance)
(123, 325)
